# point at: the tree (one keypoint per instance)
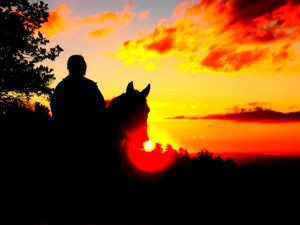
(22, 49)
(183, 153)
(158, 149)
(204, 156)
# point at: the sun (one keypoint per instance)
(148, 146)
(146, 163)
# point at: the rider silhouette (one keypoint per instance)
(78, 109)
(77, 102)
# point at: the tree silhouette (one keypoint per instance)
(22, 49)
(158, 149)
(183, 153)
(204, 156)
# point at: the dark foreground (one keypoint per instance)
(47, 184)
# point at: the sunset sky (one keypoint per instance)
(224, 74)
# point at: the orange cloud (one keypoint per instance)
(108, 22)
(101, 32)
(108, 16)
(58, 20)
(105, 22)
(223, 36)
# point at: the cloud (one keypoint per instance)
(230, 59)
(100, 25)
(256, 115)
(99, 33)
(259, 115)
(223, 36)
(109, 22)
(182, 117)
(58, 20)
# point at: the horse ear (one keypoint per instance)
(130, 87)
(146, 91)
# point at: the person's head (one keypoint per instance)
(76, 65)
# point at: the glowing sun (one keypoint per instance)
(148, 146)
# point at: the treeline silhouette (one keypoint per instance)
(44, 182)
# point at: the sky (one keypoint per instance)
(224, 74)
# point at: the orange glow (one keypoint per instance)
(149, 158)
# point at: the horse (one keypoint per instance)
(124, 128)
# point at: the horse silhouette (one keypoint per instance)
(126, 121)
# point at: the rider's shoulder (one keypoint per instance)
(89, 81)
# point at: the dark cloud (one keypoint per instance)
(247, 10)
(258, 21)
(257, 115)
(182, 117)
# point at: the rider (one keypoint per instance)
(77, 102)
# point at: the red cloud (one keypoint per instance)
(231, 60)
(161, 42)
(225, 36)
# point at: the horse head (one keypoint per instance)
(127, 115)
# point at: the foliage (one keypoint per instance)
(204, 155)
(22, 49)
(21, 115)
